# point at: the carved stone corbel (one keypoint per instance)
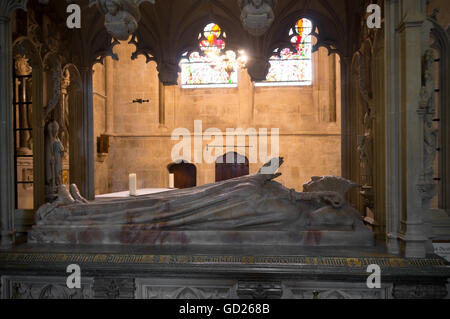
(258, 68)
(121, 16)
(257, 15)
(168, 73)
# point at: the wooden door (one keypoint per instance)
(185, 174)
(231, 165)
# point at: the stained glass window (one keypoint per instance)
(210, 66)
(289, 68)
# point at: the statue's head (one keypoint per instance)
(257, 3)
(53, 129)
(113, 6)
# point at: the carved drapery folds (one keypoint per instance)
(121, 16)
(257, 15)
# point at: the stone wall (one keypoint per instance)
(443, 16)
(308, 119)
(101, 164)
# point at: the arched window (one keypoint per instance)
(289, 68)
(211, 66)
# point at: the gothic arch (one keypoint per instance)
(25, 45)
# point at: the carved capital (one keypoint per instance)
(121, 16)
(258, 69)
(7, 7)
(168, 73)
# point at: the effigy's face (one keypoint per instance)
(257, 3)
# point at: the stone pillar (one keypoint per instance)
(7, 187)
(85, 165)
(109, 85)
(332, 88)
(404, 52)
(349, 127)
(392, 134)
(162, 103)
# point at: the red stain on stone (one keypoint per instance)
(146, 234)
(312, 238)
(91, 235)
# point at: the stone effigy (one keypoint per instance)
(251, 210)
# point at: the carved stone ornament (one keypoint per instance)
(427, 112)
(420, 291)
(22, 66)
(121, 16)
(257, 15)
(260, 290)
(56, 94)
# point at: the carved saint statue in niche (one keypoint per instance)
(365, 149)
(64, 116)
(54, 157)
(257, 15)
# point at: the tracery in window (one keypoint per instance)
(289, 68)
(211, 66)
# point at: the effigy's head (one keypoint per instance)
(329, 184)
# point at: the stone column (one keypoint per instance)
(85, 165)
(109, 92)
(7, 187)
(349, 128)
(404, 53)
(162, 103)
(392, 134)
